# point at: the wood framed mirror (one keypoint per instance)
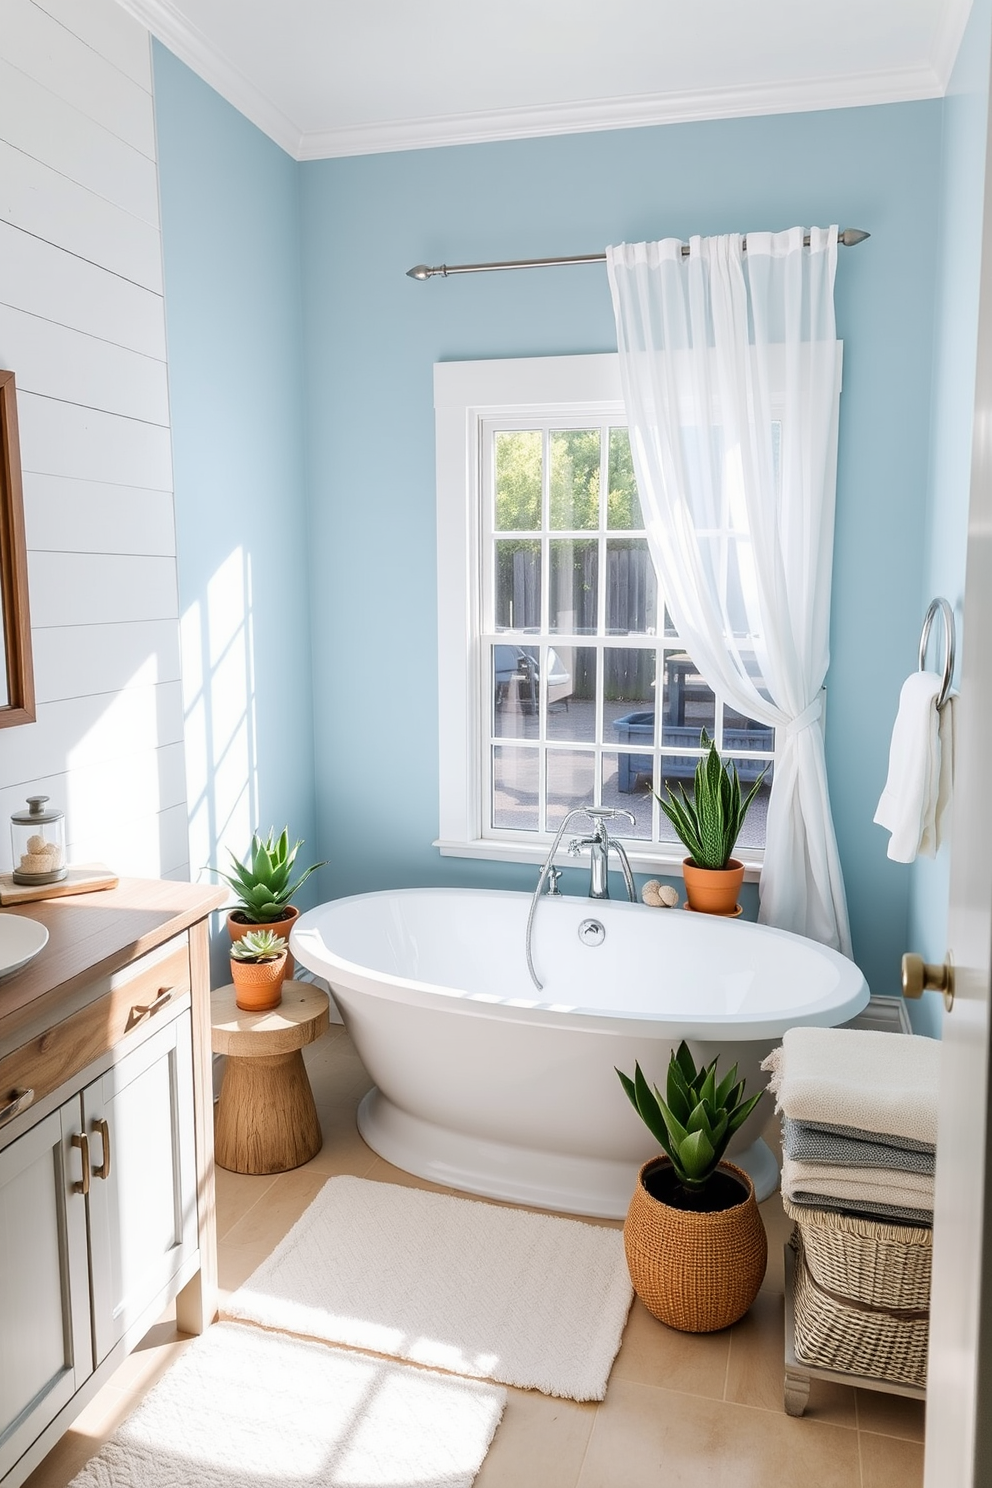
(16, 672)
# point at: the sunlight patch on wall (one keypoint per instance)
(219, 686)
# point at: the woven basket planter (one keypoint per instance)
(862, 1295)
(694, 1271)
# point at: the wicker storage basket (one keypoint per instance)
(862, 1295)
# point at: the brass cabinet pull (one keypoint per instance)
(19, 1101)
(82, 1141)
(140, 1011)
(103, 1127)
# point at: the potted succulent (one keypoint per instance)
(709, 823)
(695, 1244)
(258, 966)
(263, 887)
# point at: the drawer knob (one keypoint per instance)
(141, 1011)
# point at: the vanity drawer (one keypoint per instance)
(44, 1063)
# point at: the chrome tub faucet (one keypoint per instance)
(599, 842)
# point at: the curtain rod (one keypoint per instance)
(848, 238)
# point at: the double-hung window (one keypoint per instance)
(563, 681)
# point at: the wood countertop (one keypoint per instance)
(92, 936)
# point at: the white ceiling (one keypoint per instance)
(348, 77)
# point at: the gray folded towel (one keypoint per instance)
(813, 1144)
(858, 1133)
(863, 1208)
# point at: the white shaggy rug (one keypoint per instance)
(246, 1409)
(526, 1299)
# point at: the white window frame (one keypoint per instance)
(466, 395)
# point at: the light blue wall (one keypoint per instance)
(372, 336)
(963, 151)
(230, 222)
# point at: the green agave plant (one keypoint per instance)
(698, 1118)
(258, 945)
(710, 820)
(263, 887)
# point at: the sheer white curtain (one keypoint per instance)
(730, 369)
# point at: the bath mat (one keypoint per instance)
(242, 1408)
(502, 1294)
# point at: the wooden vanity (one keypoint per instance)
(106, 1149)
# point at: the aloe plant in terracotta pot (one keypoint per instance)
(695, 1243)
(264, 886)
(709, 823)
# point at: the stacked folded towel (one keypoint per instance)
(859, 1121)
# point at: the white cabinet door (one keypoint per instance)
(142, 1200)
(45, 1346)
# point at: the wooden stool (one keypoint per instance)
(265, 1120)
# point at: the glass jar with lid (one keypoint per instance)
(38, 840)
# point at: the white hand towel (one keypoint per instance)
(880, 1082)
(917, 788)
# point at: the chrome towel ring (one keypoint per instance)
(941, 607)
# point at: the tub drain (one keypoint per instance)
(591, 933)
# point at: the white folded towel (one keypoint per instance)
(917, 789)
(879, 1082)
(883, 1186)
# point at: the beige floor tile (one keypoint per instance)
(756, 1373)
(235, 1263)
(236, 1194)
(653, 1354)
(540, 1443)
(891, 1415)
(887, 1462)
(343, 1150)
(285, 1200)
(645, 1437)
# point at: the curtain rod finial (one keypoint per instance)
(852, 236)
(419, 271)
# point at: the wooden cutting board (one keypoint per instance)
(82, 878)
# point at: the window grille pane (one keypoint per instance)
(574, 585)
(634, 795)
(518, 480)
(572, 714)
(628, 684)
(631, 588)
(515, 676)
(514, 789)
(571, 777)
(688, 705)
(518, 584)
(623, 505)
(575, 480)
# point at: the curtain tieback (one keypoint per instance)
(806, 718)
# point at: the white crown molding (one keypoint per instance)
(947, 42)
(624, 113)
(189, 44)
(174, 30)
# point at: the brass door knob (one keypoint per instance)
(919, 976)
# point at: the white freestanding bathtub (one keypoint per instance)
(485, 1084)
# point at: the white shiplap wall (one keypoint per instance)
(82, 326)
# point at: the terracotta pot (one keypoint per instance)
(258, 984)
(693, 1270)
(237, 929)
(713, 890)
